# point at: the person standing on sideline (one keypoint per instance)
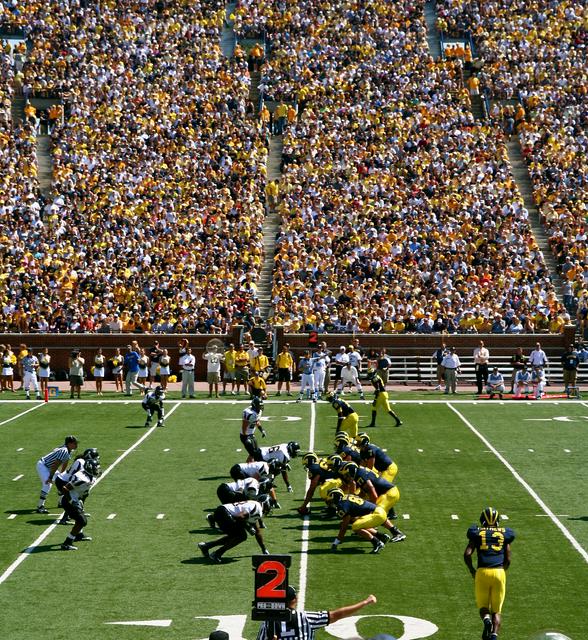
(451, 365)
(44, 369)
(49, 464)
(303, 624)
(241, 368)
(491, 542)
(76, 373)
(213, 368)
(518, 362)
(305, 366)
(30, 364)
(284, 364)
(116, 362)
(155, 354)
(340, 359)
(99, 362)
(538, 357)
(323, 349)
(320, 364)
(438, 356)
(188, 363)
(383, 364)
(229, 374)
(132, 368)
(481, 358)
(570, 361)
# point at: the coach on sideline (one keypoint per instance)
(303, 624)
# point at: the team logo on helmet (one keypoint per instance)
(490, 517)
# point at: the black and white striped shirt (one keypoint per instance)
(59, 454)
(302, 626)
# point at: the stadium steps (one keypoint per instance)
(17, 106)
(228, 39)
(45, 164)
(433, 35)
(523, 180)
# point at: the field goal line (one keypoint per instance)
(577, 546)
(30, 549)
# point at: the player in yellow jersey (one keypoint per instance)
(380, 399)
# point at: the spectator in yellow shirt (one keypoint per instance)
(285, 365)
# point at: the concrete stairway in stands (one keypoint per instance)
(433, 36)
(45, 164)
(228, 35)
(523, 180)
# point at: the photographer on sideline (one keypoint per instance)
(76, 372)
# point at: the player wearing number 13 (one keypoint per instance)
(492, 544)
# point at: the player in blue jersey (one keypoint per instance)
(347, 418)
(380, 399)
(321, 475)
(492, 544)
(345, 448)
(375, 458)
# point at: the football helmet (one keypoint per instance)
(266, 505)
(256, 404)
(371, 373)
(91, 454)
(489, 517)
(275, 466)
(236, 472)
(158, 391)
(341, 440)
(293, 448)
(335, 495)
(362, 439)
(349, 469)
(330, 397)
(309, 458)
(335, 461)
(92, 468)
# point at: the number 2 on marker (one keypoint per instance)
(271, 589)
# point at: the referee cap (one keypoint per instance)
(290, 594)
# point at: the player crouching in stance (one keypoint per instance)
(235, 520)
(61, 479)
(278, 458)
(320, 475)
(240, 491)
(74, 492)
(153, 403)
(492, 544)
(261, 472)
(363, 516)
(347, 418)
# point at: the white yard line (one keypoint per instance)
(509, 403)
(23, 413)
(548, 512)
(306, 522)
(27, 552)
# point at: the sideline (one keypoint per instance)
(306, 522)
(31, 549)
(577, 546)
(23, 413)
(237, 400)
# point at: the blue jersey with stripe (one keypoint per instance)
(490, 543)
(355, 507)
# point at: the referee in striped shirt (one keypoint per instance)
(49, 464)
(303, 624)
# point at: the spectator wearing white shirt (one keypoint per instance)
(451, 365)
(213, 368)
(495, 384)
(188, 364)
(350, 376)
(538, 380)
(340, 360)
(481, 358)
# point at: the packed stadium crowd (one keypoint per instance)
(399, 211)
(536, 53)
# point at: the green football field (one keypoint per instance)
(142, 577)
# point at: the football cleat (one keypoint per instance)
(41, 510)
(487, 633)
(210, 519)
(216, 559)
(82, 537)
(399, 537)
(160, 423)
(63, 520)
(378, 546)
(204, 549)
(289, 488)
(383, 537)
(68, 547)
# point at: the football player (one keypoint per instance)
(539, 380)
(380, 399)
(373, 457)
(153, 403)
(320, 474)
(262, 472)
(74, 492)
(491, 542)
(345, 448)
(305, 367)
(363, 516)
(251, 422)
(280, 455)
(235, 520)
(239, 491)
(320, 363)
(61, 479)
(347, 418)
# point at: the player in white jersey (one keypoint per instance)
(238, 491)
(258, 470)
(251, 422)
(539, 380)
(305, 367)
(61, 479)
(278, 457)
(74, 492)
(153, 403)
(235, 520)
(350, 377)
(320, 362)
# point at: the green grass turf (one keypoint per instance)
(142, 568)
